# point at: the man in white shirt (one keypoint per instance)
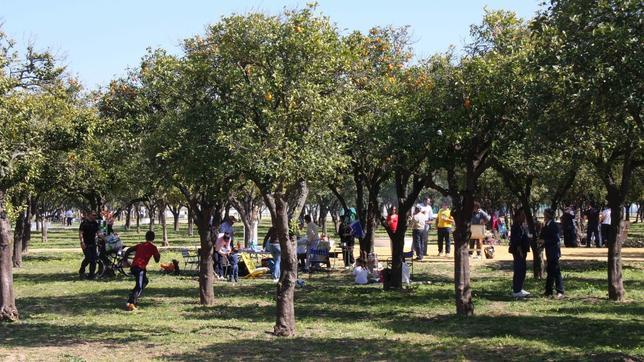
(311, 229)
(605, 220)
(426, 208)
(418, 222)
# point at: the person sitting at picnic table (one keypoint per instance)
(223, 250)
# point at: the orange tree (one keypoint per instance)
(589, 54)
(286, 75)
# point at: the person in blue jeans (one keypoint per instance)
(276, 252)
(519, 248)
(550, 236)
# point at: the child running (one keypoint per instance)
(144, 251)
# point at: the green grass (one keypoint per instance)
(63, 318)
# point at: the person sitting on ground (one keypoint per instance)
(550, 237)
(519, 248)
(223, 250)
(360, 272)
(143, 252)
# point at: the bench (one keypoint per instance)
(190, 261)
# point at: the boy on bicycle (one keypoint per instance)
(144, 251)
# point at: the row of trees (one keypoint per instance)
(269, 109)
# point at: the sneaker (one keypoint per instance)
(440, 253)
(521, 294)
(130, 307)
(525, 292)
(559, 296)
(276, 280)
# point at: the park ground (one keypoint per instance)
(64, 318)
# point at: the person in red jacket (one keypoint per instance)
(144, 251)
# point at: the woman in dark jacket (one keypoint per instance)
(550, 236)
(519, 248)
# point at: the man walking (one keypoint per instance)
(144, 251)
(426, 207)
(87, 233)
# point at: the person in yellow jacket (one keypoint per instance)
(445, 223)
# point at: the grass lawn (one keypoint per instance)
(63, 318)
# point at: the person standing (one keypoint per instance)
(445, 223)
(418, 222)
(519, 248)
(550, 237)
(347, 242)
(87, 233)
(592, 228)
(569, 228)
(426, 208)
(311, 229)
(276, 253)
(392, 219)
(226, 227)
(143, 252)
(69, 216)
(605, 225)
(478, 221)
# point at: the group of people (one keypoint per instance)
(598, 224)
(89, 232)
(520, 246)
(424, 218)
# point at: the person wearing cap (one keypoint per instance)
(227, 227)
(550, 237)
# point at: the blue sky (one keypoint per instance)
(99, 39)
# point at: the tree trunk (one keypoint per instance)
(164, 226)
(17, 240)
(615, 283)
(373, 216)
(285, 318)
(462, 218)
(190, 222)
(44, 231)
(138, 218)
(128, 218)
(151, 215)
(26, 230)
(8, 310)
(176, 211)
(397, 250)
(538, 261)
(206, 269)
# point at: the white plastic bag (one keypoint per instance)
(406, 274)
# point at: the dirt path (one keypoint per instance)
(383, 251)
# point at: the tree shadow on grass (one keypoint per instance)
(41, 257)
(589, 335)
(41, 334)
(377, 348)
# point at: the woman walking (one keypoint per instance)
(519, 247)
